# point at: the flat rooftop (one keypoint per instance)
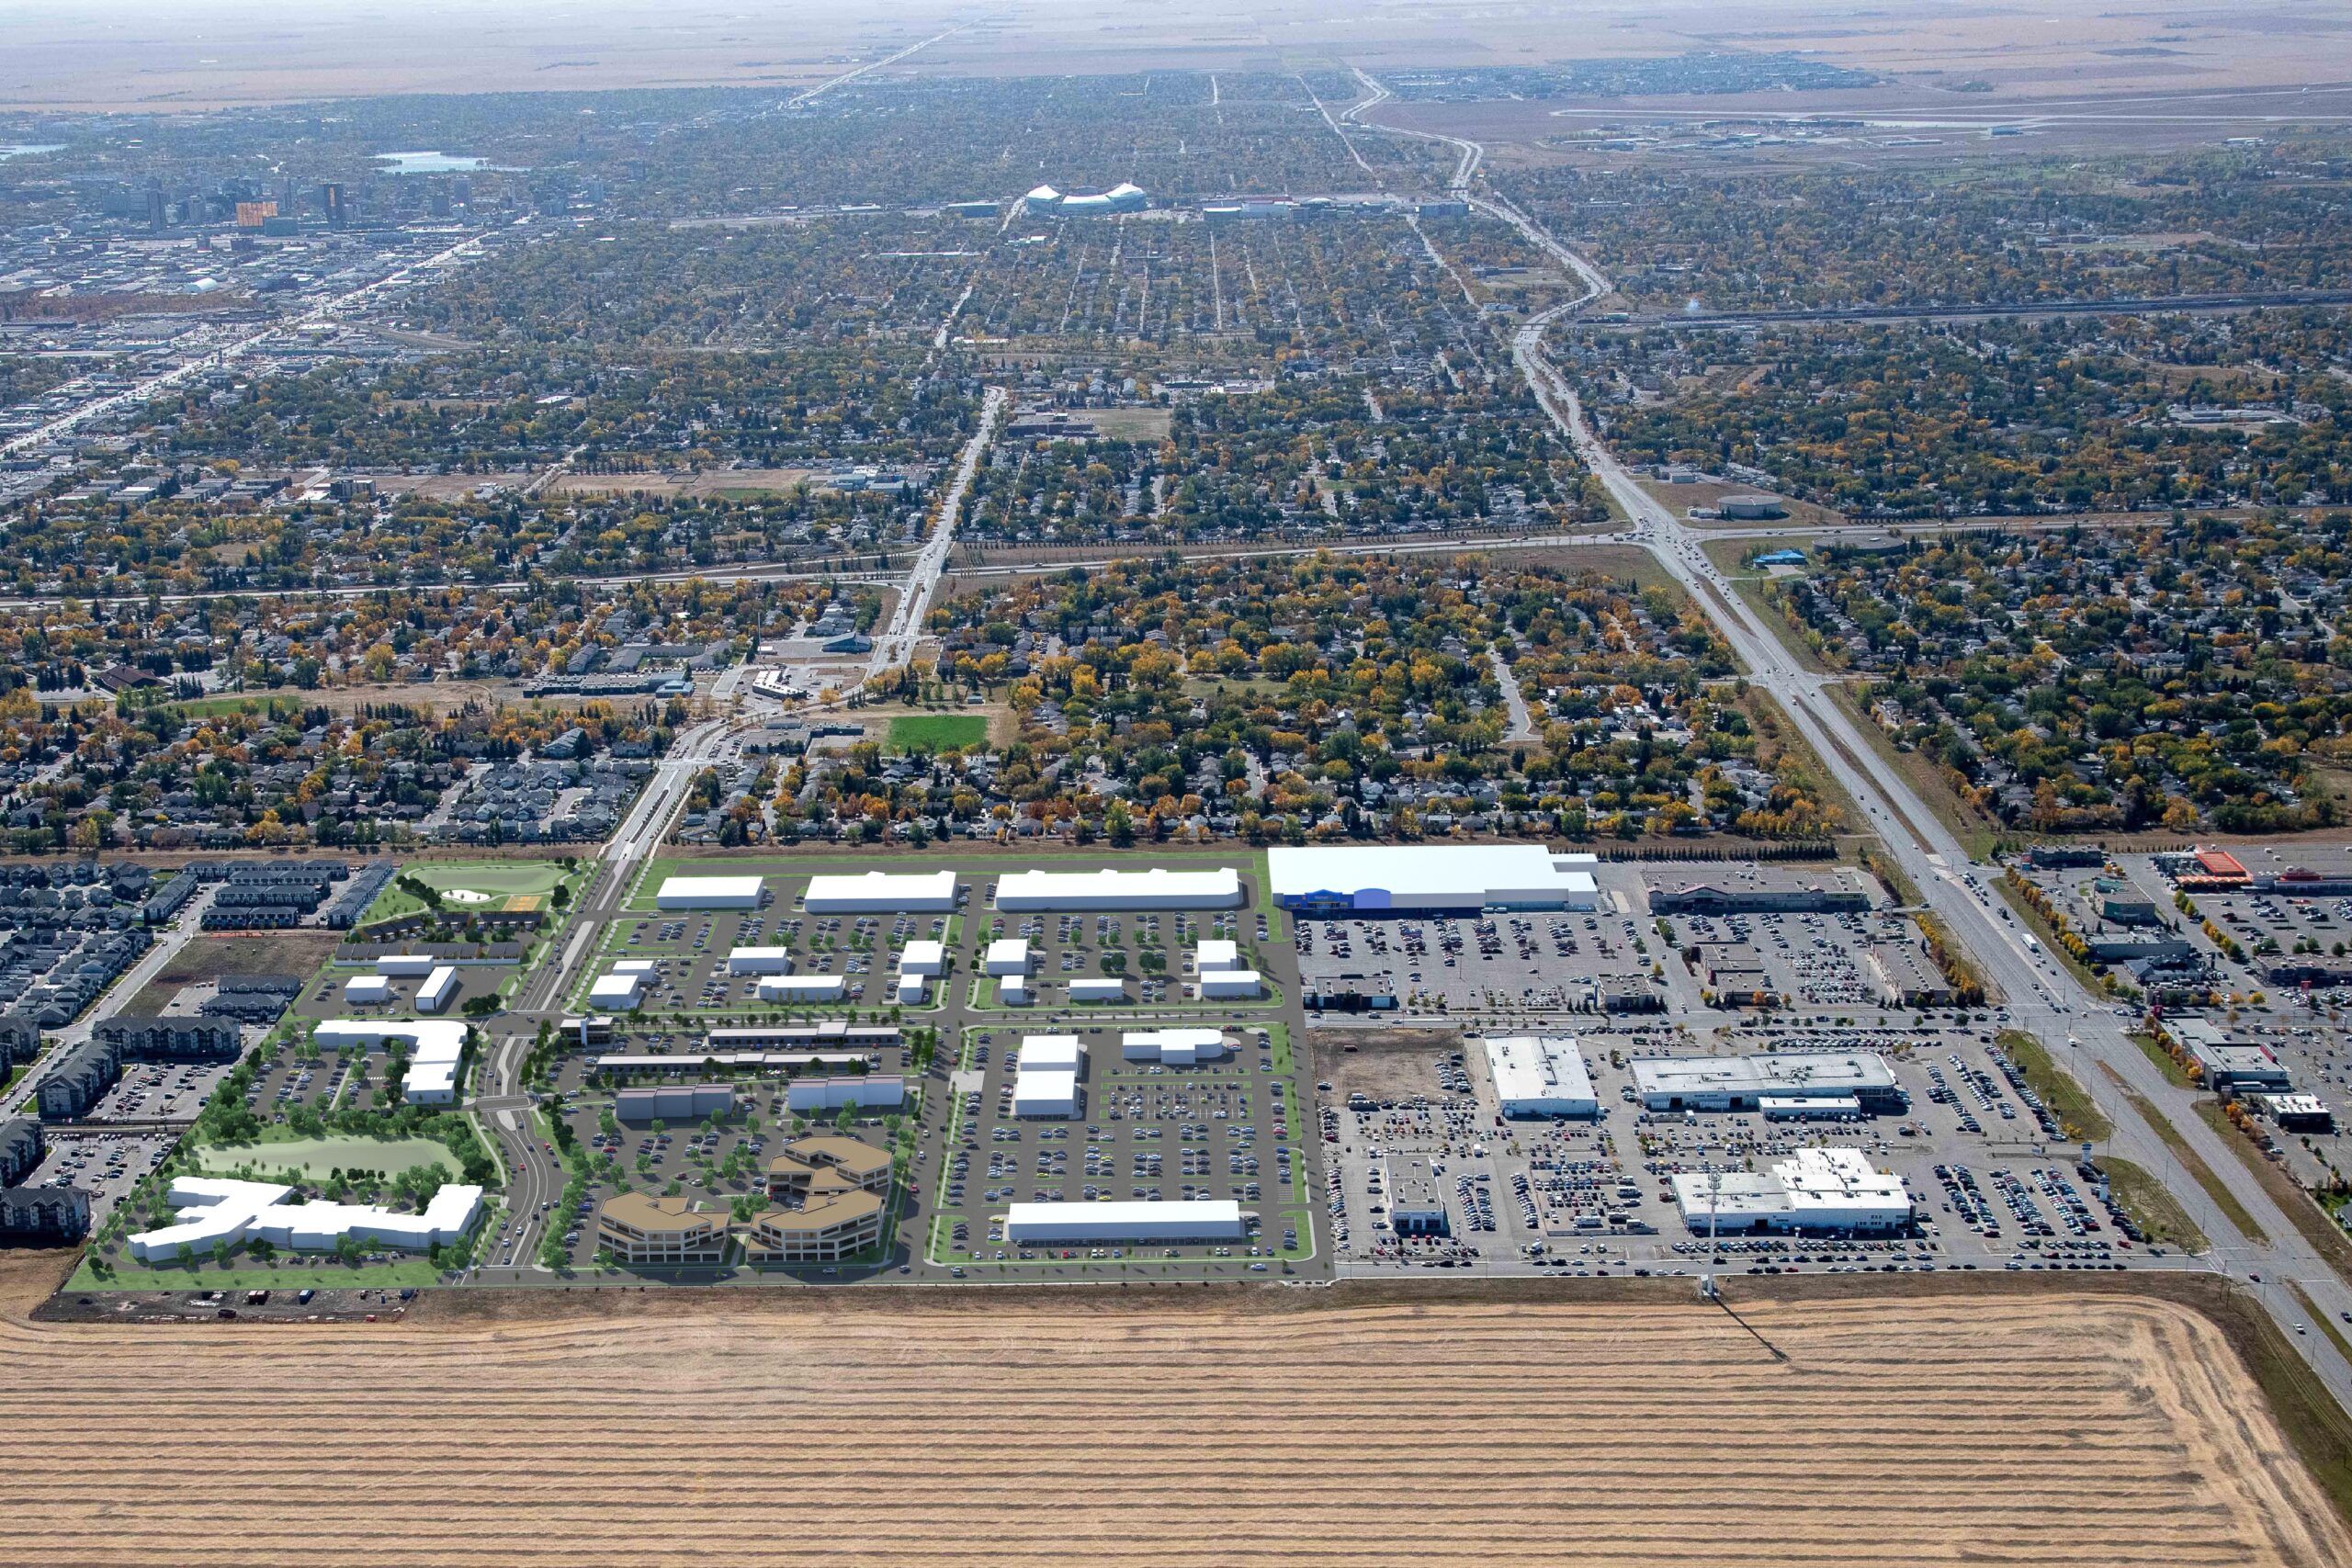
(1529, 1067)
(1773, 1073)
(1417, 873)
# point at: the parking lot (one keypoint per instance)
(324, 998)
(1152, 953)
(690, 950)
(105, 1165)
(1994, 1185)
(1534, 962)
(1229, 1129)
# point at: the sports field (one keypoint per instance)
(494, 885)
(1289, 1427)
(937, 731)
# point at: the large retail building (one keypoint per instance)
(1430, 879)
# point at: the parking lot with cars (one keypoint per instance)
(1995, 1184)
(1528, 962)
(105, 1165)
(690, 954)
(1153, 952)
(1229, 1129)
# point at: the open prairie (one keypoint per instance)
(1290, 1427)
(144, 55)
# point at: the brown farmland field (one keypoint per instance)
(1292, 1428)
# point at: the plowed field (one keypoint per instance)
(2069, 1430)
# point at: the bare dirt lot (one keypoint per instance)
(714, 481)
(1181, 1429)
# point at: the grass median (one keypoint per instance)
(2311, 1222)
(2198, 1171)
(2059, 1088)
(2157, 1212)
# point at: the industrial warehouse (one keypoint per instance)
(1430, 879)
(1089, 890)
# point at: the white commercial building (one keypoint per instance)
(1430, 878)
(1155, 889)
(709, 893)
(674, 1103)
(1059, 1052)
(1744, 1083)
(1013, 991)
(1814, 1190)
(1175, 1047)
(910, 990)
(408, 965)
(1007, 955)
(874, 1091)
(802, 988)
(435, 1049)
(1097, 989)
(1045, 1092)
(615, 992)
(883, 893)
(1541, 1074)
(759, 961)
(924, 958)
(1217, 956)
(367, 990)
(439, 989)
(1232, 985)
(1044, 1081)
(1189, 1219)
(1044, 198)
(220, 1212)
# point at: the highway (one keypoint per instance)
(2094, 1045)
(2043, 998)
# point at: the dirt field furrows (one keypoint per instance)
(2090, 1430)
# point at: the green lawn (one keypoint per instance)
(316, 1158)
(937, 732)
(492, 880)
(501, 876)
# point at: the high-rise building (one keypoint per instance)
(331, 199)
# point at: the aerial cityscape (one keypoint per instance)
(1455, 783)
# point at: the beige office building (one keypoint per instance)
(661, 1231)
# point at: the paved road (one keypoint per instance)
(167, 946)
(326, 310)
(2042, 998)
(1522, 722)
(2141, 305)
(894, 645)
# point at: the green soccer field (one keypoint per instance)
(937, 732)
